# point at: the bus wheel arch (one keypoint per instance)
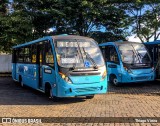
(48, 90)
(21, 81)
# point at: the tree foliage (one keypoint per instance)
(3, 25)
(30, 19)
(145, 19)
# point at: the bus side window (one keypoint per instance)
(34, 50)
(104, 52)
(107, 53)
(49, 59)
(27, 56)
(113, 54)
(20, 55)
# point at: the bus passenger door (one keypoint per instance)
(46, 66)
(113, 63)
(158, 61)
(40, 60)
(49, 75)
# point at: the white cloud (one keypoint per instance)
(134, 39)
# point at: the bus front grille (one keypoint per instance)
(88, 89)
(142, 78)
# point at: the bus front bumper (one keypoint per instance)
(72, 90)
(129, 78)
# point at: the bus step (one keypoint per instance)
(41, 90)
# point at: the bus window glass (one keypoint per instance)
(113, 54)
(33, 53)
(20, 54)
(27, 57)
(48, 54)
(134, 54)
(78, 53)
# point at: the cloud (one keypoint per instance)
(134, 39)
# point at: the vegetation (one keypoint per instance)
(104, 20)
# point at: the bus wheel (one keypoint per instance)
(21, 82)
(90, 97)
(114, 80)
(48, 91)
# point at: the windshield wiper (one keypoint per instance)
(90, 58)
(74, 64)
(78, 52)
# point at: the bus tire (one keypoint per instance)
(114, 81)
(21, 82)
(48, 92)
(90, 97)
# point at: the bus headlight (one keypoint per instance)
(67, 79)
(104, 75)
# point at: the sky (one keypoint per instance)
(132, 38)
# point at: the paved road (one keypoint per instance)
(129, 100)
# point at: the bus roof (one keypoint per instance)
(70, 37)
(152, 43)
(32, 42)
(117, 43)
(63, 36)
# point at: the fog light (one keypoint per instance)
(120, 75)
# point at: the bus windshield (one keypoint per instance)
(134, 54)
(78, 53)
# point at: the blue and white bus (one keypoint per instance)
(127, 62)
(154, 50)
(61, 66)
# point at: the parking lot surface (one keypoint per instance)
(129, 100)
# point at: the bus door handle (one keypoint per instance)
(112, 66)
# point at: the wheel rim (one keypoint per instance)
(21, 83)
(50, 92)
(115, 81)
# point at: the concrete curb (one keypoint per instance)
(5, 74)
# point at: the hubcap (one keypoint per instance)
(21, 83)
(50, 93)
(115, 81)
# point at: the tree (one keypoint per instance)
(31, 20)
(3, 19)
(84, 17)
(145, 19)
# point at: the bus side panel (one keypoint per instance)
(28, 74)
(114, 69)
(50, 78)
(14, 71)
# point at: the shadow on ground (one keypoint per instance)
(146, 88)
(13, 94)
